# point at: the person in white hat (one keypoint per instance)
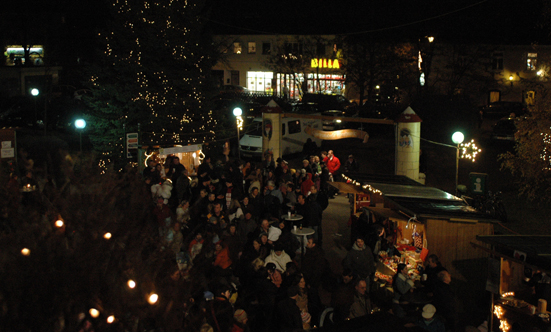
(428, 321)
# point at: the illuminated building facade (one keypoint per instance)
(292, 65)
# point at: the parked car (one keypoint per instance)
(500, 109)
(330, 102)
(303, 108)
(336, 124)
(233, 89)
(504, 129)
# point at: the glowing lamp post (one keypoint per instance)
(239, 122)
(80, 124)
(457, 139)
(35, 92)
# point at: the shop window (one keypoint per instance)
(266, 48)
(497, 61)
(531, 61)
(294, 127)
(252, 48)
(15, 55)
(237, 48)
(283, 129)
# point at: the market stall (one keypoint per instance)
(420, 221)
(518, 280)
(190, 156)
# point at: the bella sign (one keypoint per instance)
(325, 63)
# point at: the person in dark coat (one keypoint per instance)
(220, 310)
(351, 165)
(432, 268)
(287, 312)
(343, 296)
(444, 300)
(314, 263)
(360, 260)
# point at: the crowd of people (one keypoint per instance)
(241, 261)
(228, 234)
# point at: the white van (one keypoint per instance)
(293, 136)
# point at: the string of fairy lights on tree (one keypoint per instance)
(158, 45)
(546, 152)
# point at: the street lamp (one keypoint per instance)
(80, 124)
(239, 122)
(457, 139)
(35, 92)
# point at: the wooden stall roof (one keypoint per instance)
(536, 248)
(387, 213)
(424, 202)
(347, 188)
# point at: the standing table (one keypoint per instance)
(302, 234)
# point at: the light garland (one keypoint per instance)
(504, 325)
(365, 186)
(498, 311)
(545, 155)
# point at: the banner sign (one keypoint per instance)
(179, 149)
(337, 134)
(131, 145)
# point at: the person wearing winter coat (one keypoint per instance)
(360, 260)
(306, 184)
(361, 305)
(278, 257)
(314, 263)
(402, 285)
(351, 165)
(223, 259)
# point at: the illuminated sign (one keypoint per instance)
(325, 63)
(337, 134)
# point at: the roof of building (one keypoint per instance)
(532, 249)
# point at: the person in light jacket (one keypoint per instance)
(402, 285)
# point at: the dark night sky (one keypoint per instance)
(496, 21)
(500, 21)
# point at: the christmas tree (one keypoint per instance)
(152, 76)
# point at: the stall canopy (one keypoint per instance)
(412, 198)
(529, 250)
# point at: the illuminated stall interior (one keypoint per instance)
(190, 156)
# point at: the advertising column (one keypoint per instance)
(407, 144)
(271, 130)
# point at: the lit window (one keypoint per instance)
(252, 47)
(531, 61)
(237, 48)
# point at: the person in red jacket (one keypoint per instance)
(222, 253)
(306, 184)
(333, 164)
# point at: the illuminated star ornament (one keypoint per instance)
(469, 150)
